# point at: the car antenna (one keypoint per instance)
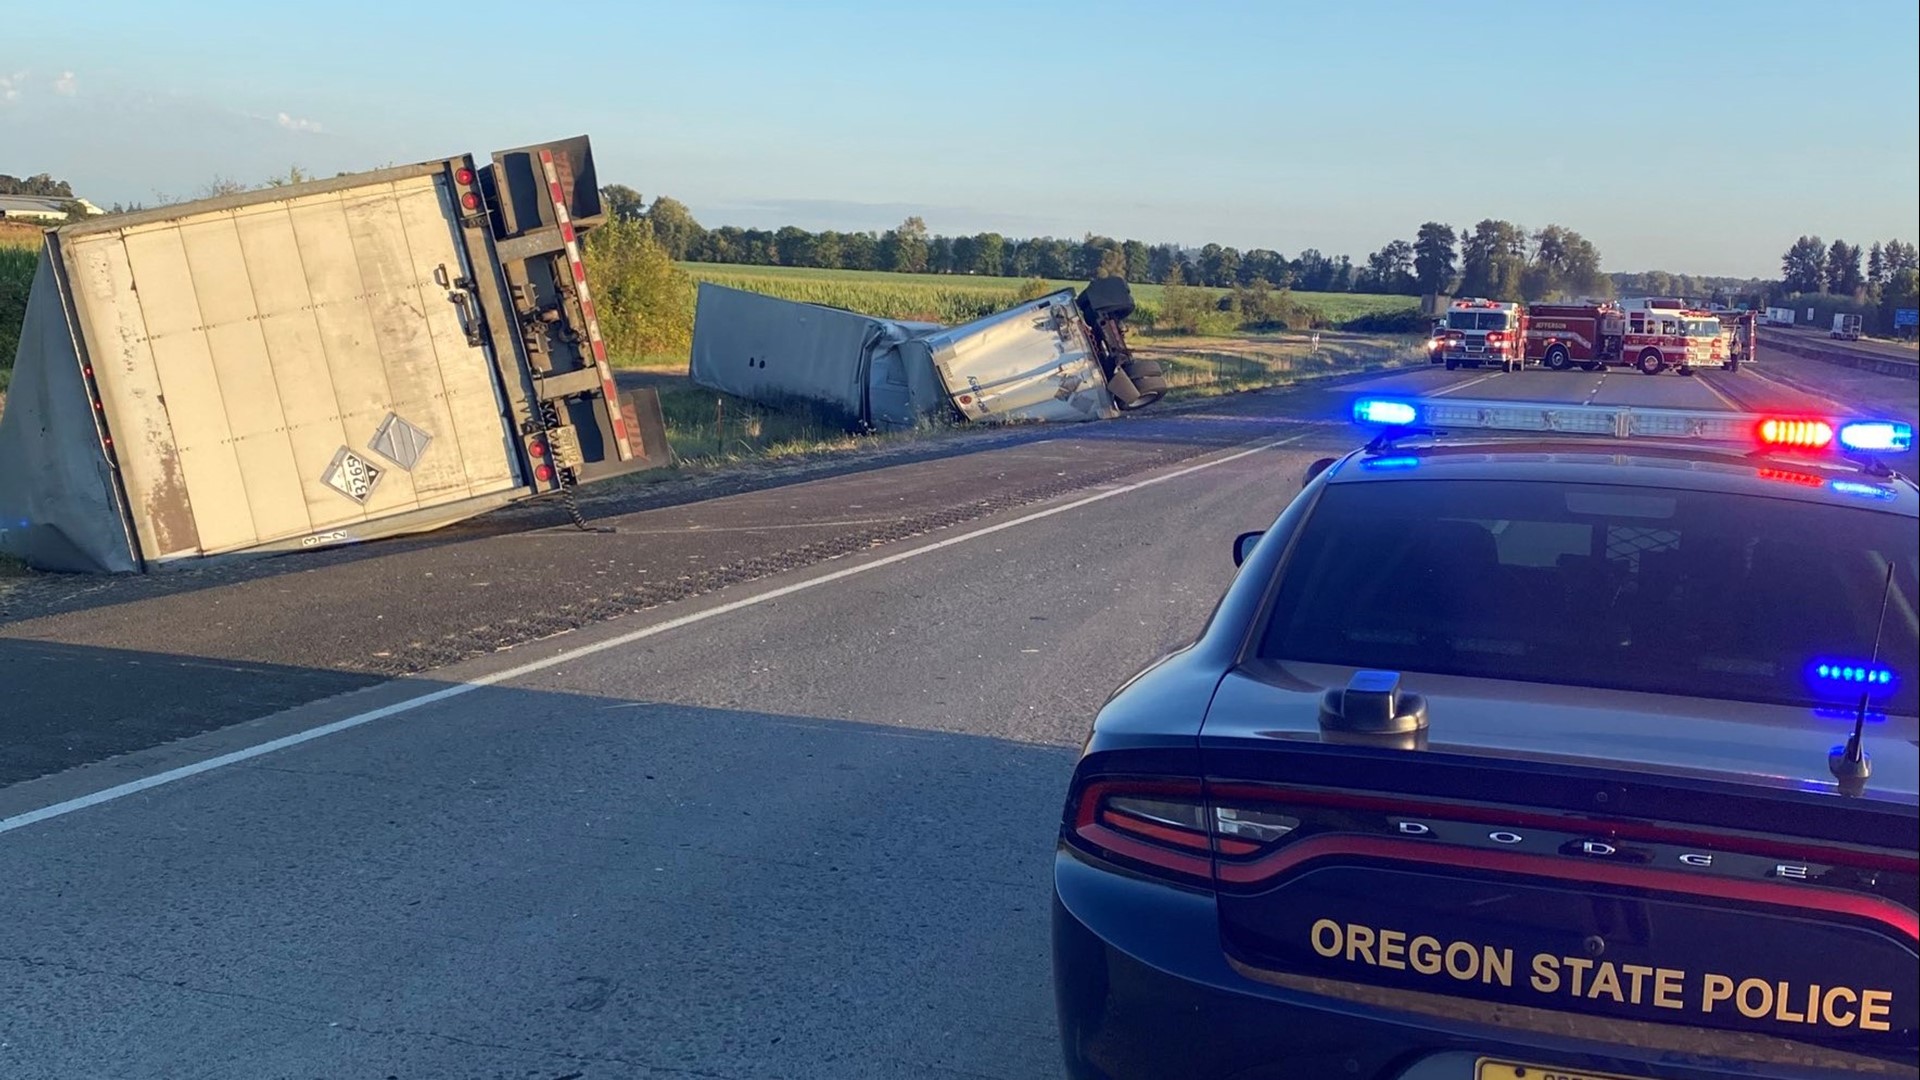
(1850, 764)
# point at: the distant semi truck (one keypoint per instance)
(1845, 327)
(1779, 316)
(313, 365)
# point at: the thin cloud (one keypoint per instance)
(10, 86)
(66, 85)
(296, 123)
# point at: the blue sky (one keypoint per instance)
(1687, 136)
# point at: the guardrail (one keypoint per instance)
(1835, 353)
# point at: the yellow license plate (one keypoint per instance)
(1495, 1069)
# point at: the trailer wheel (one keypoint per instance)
(1148, 378)
(1651, 362)
(1128, 397)
(1557, 358)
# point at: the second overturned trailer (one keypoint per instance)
(1055, 358)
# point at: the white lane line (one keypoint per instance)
(148, 783)
(1469, 382)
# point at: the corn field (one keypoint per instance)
(939, 299)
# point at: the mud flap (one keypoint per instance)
(647, 427)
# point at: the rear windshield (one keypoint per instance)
(1671, 592)
(1477, 320)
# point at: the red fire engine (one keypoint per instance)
(1659, 338)
(1650, 335)
(1562, 335)
(1484, 332)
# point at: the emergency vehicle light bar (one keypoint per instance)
(1633, 422)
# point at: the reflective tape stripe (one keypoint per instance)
(621, 438)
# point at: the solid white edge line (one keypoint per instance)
(134, 787)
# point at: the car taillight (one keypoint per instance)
(1166, 825)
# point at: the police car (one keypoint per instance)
(1530, 741)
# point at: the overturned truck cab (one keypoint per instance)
(315, 364)
(1055, 358)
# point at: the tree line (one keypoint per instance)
(1495, 259)
(1840, 277)
(37, 184)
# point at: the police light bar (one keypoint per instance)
(1633, 422)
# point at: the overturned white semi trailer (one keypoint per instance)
(1055, 358)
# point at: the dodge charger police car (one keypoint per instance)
(1585, 749)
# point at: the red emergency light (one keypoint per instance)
(1803, 433)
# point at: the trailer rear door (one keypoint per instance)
(291, 368)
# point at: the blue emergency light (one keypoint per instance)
(1384, 411)
(1877, 436)
(1854, 673)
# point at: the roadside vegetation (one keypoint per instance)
(17, 260)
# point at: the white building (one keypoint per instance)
(40, 207)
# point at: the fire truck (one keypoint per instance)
(1483, 332)
(1659, 338)
(1651, 335)
(1562, 335)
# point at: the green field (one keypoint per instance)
(942, 297)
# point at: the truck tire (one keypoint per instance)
(1127, 396)
(1149, 380)
(1557, 359)
(1651, 362)
(1452, 363)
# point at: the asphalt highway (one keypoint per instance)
(762, 785)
